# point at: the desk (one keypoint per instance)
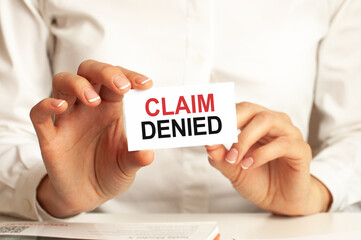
(255, 225)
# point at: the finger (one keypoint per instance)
(216, 152)
(131, 162)
(41, 114)
(264, 124)
(137, 80)
(246, 111)
(216, 157)
(284, 116)
(105, 74)
(71, 87)
(117, 80)
(281, 147)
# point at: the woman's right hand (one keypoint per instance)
(85, 148)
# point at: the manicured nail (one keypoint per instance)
(91, 95)
(94, 99)
(247, 162)
(232, 155)
(142, 80)
(125, 86)
(57, 103)
(121, 82)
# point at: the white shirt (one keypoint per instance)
(290, 55)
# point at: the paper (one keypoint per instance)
(125, 231)
(182, 116)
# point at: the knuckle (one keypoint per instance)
(308, 149)
(58, 77)
(265, 116)
(244, 105)
(285, 116)
(284, 143)
(85, 63)
(132, 75)
(77, 83)
(65, 80)
(242, 142)
(106, 71)
(251, 107)
(260, 152)
(298, 133)
(34, 112)
(243, 146)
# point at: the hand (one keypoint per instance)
(85, 148)
(270, 164)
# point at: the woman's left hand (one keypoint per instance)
(270, 164)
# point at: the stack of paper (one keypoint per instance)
(124, 231)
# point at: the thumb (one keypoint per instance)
(133, 161)
(41, 114)
(217, 155)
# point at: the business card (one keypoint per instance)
(182, 116)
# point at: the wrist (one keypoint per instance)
(51, 202)
(320, 198)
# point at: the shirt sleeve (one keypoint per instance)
(35, 36)
(25, 77)
(337, 162)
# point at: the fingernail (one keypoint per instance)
(209, 157)
(232, 155)
(142, 80)
(121, 82)
(91, 95)
(247, 162)
(57, 103)
(125, 86)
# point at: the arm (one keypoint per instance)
(74, 183)
(21, 163)
(337, 108)
(270, 164)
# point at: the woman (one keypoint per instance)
(287, 60)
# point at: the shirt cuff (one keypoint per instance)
(25, 201)
(46, 217)
(25, 191)
(326, 173)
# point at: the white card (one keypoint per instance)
(170, 117)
